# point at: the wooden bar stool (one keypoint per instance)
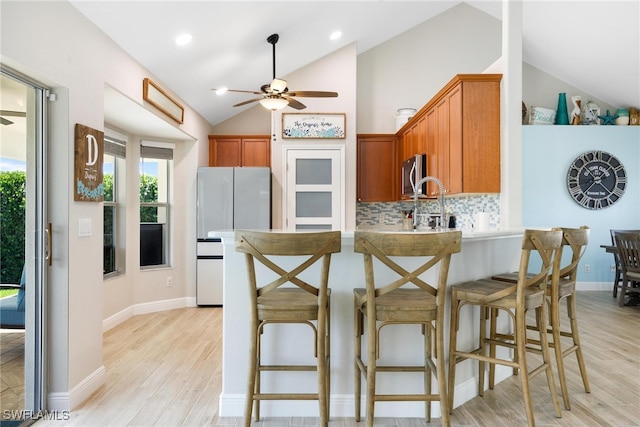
(296, 302)
(563, 286)
(515, 299)
(407, 300)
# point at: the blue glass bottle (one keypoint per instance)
(562, 114)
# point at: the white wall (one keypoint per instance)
(546, 156)
(253, 121)
(408, 70)
(53, 43)
(540, 89)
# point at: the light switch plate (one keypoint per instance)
(84, 227)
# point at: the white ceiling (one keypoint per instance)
(592, 45)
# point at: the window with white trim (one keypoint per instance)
(114, 232)
(156, 167)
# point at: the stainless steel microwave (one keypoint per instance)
(413, 170)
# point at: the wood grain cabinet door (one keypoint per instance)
(378, 168)
(239, 150)
(459, 130)
(256, 151)
(225, 151)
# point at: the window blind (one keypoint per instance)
(115, 147)
(149, 152)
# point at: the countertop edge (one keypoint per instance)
(227, 236)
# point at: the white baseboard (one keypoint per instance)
(145, 308)
(232, 405)
(77, 395)
(594, 286)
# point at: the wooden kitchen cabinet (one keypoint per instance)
(413, 139)
(378, 168)
(461, 135)
(239, 150)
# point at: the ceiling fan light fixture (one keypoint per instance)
(274, 103)
(278, 85)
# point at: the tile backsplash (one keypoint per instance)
(464, 208)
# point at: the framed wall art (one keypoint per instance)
(313, 125)
(88, 158)
(154, 95)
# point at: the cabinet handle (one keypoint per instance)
(48, 245)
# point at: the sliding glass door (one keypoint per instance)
(23, 245)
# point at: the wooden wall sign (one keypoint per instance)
(89, 154)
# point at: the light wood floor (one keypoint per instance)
(11, 369)
(163, 369)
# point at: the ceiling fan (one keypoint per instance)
(8, 113)
(276, 95)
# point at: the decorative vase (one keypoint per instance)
(623, 117)
(403, 116)
(562, 115)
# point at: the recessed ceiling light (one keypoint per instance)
(221, 91)
(335, 35)
(183, 39)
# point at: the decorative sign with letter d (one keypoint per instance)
(89, 152)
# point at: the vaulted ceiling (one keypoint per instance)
(594, 45)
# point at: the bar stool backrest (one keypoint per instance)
(381, 245)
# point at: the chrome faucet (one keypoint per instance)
(415, 199)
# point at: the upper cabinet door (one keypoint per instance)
(256, 151)
(239, 150)
(459, 129)
(378, 168)
(225, 151)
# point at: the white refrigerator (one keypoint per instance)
(227, 198)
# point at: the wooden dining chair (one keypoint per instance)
(409, 299)
(617, 280)
(289, 299)
(628, 246)
(515, 299)
(562, 286)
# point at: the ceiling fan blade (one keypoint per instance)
(293, 103)
(240, 104)
(5, 122)
(313, 94)
(13, 113)
(241, 91)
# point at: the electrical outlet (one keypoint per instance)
(381, 218)
(587, 268)
(612, 268)
(169, 281)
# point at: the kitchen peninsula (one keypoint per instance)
(483, 254)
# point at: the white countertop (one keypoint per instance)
(348, 235)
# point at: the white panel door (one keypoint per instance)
(314, 189)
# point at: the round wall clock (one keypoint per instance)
(596, 180)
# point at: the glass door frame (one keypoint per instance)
(37, 242)
(335, 152)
